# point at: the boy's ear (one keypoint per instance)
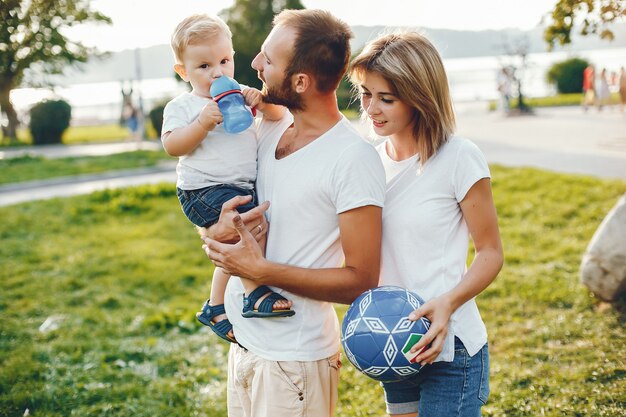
(301, 82)
(180, 70)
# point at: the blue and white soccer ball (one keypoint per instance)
(376, 331)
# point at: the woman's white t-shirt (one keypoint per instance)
(425, 238)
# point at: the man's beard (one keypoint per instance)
(284, 95)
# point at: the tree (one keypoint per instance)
(31, 38)
(596, 15)
(251, 22)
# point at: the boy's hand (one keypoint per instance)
(210, 116)
(252, 96)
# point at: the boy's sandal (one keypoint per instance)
(221, 328)
(266, 306)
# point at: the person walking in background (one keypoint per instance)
(438, 195)
(603, 94)
(621, 82)
(504, 88)
(588, 90)
(131, 119)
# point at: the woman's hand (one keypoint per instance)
(243, 259)
(438, 310)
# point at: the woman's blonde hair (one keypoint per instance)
(194, 29)
(414, 70)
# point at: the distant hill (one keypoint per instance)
(157, 61)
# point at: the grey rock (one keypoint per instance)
(603, 267)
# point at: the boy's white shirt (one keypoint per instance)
(308, 189)
(221, 158)
(425, 238)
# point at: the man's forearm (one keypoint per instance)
(338, 285)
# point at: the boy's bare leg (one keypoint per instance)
(218, 288)
(250, 286)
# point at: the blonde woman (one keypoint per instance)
(438, 195)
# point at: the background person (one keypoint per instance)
(622, 88)
(504, 89)
(438, 194)
(588, 87)
(601, 87)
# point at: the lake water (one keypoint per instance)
(471, 79)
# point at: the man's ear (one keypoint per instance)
(302, 82)
(180, 70)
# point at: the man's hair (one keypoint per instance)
(194, 29)
(321, 48)
(414, 70)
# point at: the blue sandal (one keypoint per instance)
(221, 328)
(266, 307)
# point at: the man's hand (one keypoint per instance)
(243, 259)
(254, 220)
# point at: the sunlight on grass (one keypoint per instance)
(120, 274)
(30, 168)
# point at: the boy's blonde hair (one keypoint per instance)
(194, 29)
(414, 70)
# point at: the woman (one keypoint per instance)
(438, 194)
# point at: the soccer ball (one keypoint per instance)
(377, 335)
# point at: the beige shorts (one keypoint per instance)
(261, 388)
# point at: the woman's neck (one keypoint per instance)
(401, 147)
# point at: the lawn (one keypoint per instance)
(99, 294)
(81, 134)
(30, 168)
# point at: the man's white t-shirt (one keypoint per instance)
(307, 190)
(425, 238)
(221, 158)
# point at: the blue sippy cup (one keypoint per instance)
(227, 94)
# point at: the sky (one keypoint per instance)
(142, 23)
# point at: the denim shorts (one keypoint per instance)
(203, 206)
(458, 388)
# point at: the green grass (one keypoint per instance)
(81, 134)
(30, 168)
(124, 273)
(574, 99)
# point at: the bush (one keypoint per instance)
(568, 75)
(156, 117)
(48, 121)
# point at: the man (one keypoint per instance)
(326, 186)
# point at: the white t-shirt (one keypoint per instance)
(425, 238)
(221, 158)
(307, 190)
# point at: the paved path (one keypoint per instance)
(557, 139)
(67, 151)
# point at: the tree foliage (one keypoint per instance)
(250, 22)
(31, 36)
(568, 75)
(596, 15)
